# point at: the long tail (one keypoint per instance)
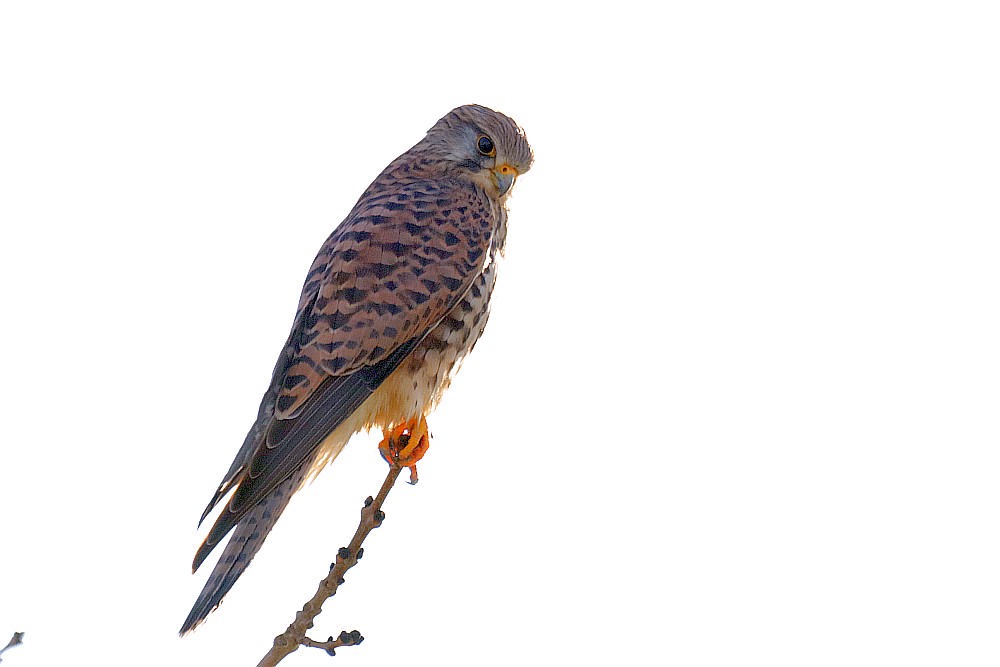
(246, 540)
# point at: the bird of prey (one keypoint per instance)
(398, 294)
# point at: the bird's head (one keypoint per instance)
(483, 145)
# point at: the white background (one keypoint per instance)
(737, 403)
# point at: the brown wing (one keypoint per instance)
(399, 263)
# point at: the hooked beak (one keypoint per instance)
(505, 176)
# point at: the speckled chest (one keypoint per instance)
(431, 365)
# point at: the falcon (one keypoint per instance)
(397, 296)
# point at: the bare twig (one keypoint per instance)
(352, 638)
(347, 557)
(16, 640)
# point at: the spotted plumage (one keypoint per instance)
(396, 297)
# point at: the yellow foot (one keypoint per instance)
(406, 444)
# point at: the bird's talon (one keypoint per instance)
(407, 451)
(405, 445)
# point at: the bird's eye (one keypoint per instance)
(486, 146)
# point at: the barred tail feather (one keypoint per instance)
(247, 539)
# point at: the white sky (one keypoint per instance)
(737, 403)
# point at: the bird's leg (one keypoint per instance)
(406, 444)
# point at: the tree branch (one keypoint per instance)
(352, 638)
(295, 636)
(17, 640)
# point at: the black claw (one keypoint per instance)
(344, 553)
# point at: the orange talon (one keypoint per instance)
(406, 444)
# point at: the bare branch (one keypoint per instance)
(295, 636)
(17, 640)
(352, 638)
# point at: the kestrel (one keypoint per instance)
(397, 296)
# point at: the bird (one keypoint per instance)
(397, 296)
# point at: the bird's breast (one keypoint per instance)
(416, 387)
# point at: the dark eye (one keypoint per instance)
(486, 146)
